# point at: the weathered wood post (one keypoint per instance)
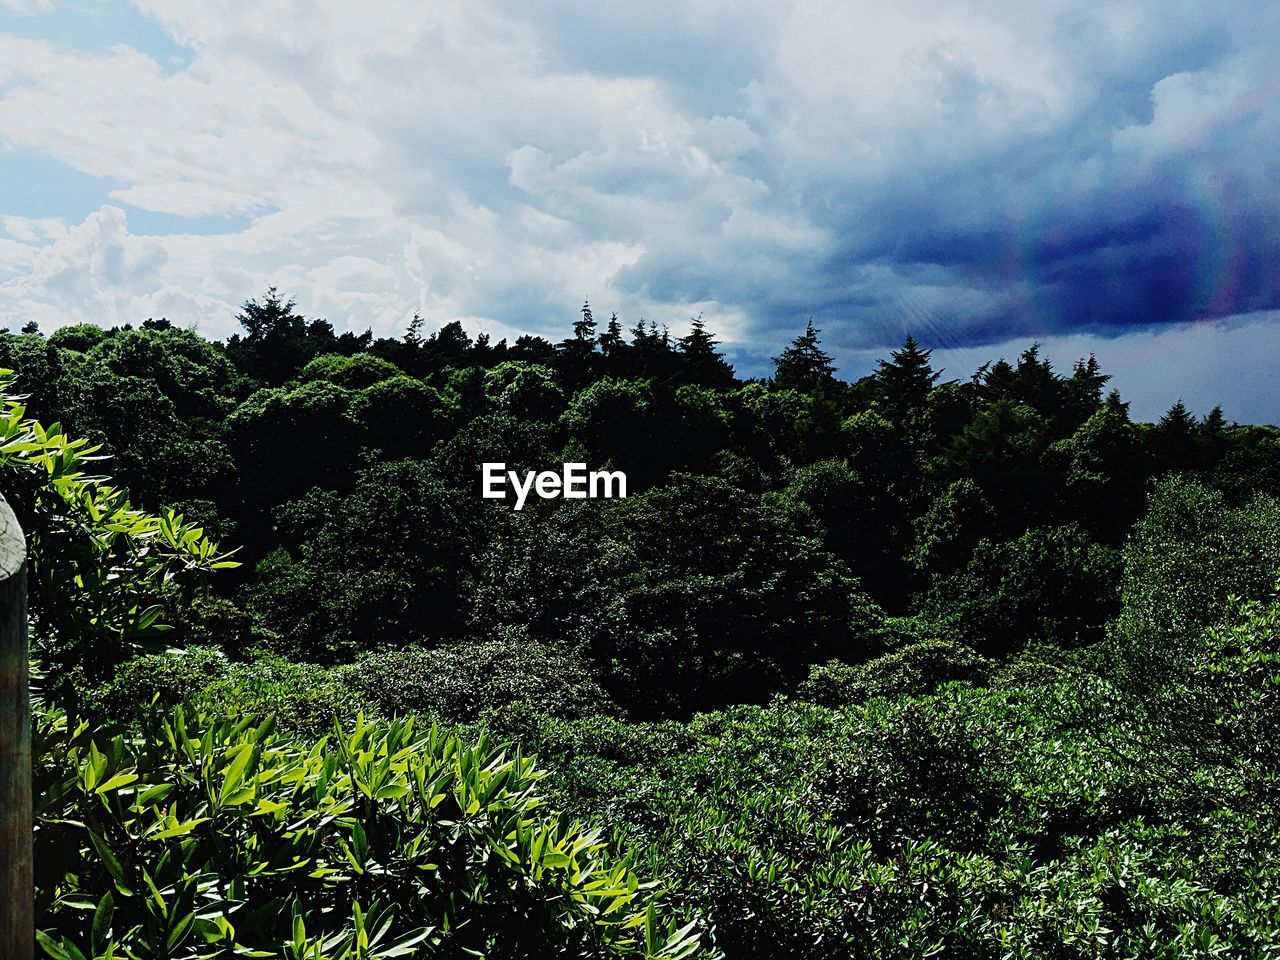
(17, 931)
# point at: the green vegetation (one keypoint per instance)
(903, 667)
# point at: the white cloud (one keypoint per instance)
(967, 173)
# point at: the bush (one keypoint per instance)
(971, 823)
(300, 697)
(103, 577)
(1052, 585)
(461, 683)
(214, 621)
(165, 678)
(212, 835)
(524, 390)
(381, 565)
(913, 773)
(685, 597)
(916, 669)
(1188, 555)
(352, 372)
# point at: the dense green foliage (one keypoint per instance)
(210, 835)
(903, 667)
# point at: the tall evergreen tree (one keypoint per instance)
(611, 339)
(277, 341)
(1178, 422)
(413, 335)
(1115, 405)
(1087, 380)
(906, 378)
(1214, 422)
(705, 364)
(698, 342)
(584, 330)
(803, 365)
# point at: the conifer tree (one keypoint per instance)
(698, 342)
(584, 330)
(705, 364)
(803, 365)
(1115, 405)
(906, 378)
(1178, 422)
(1087, 380)
(413, 336)
(611, 339)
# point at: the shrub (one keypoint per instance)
(164, 678)
(1188, 555)
(213, 835)
(461, 683)
(524, 390)
(103, 576)
(380, 565)
(1052, 584)
(916, 669)
(352, 372)
(913, 773)
(301, 698)
(403, 417)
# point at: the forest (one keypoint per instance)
(907, 666)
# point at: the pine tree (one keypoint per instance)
(803, 365)
(1178, 422)
(584, 330)
(1214, 422)
(705, 364)
(611, 339)
(413, 336)
(998, 380)
(698, 342)
(905, 380)
(1087, 380)
(1115, 405)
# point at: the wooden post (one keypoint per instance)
(17, 890)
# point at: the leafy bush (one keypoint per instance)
(352, 372)
(916, 774)
(1188, 555)
(377, 566)
(461, 683)
(686, 597)
(403, 417)
(1051, 584)
(525, 390)
(166, 679)
(975, 823)
(102, 575)
(214, 835)
(916, 669)
(301, 698)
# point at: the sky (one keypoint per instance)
(1097, 177)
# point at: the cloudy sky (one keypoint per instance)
(1099, 177)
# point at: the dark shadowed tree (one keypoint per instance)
(278, 341)
(611, 340)
(704, 364)
(803, 365)
(904, 380)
